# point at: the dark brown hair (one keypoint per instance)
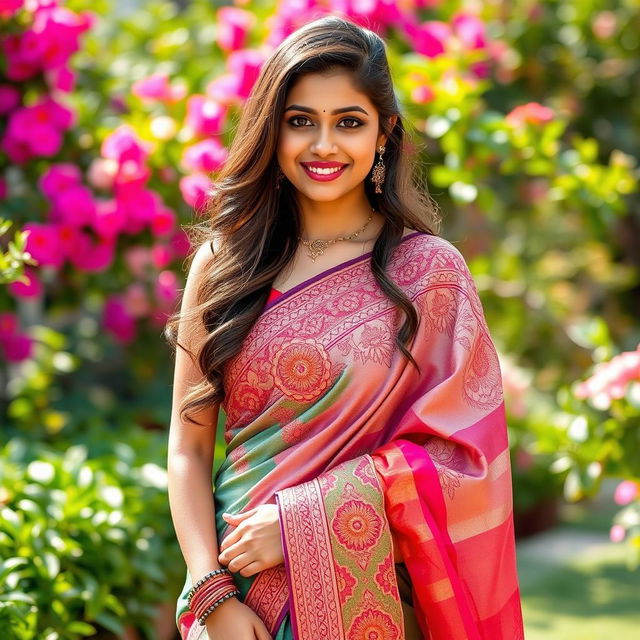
(254, 228)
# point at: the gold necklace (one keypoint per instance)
(317, 247)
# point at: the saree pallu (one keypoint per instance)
(330, 421)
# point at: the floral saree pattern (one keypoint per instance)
(327, 419)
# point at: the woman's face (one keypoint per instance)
(310, 132)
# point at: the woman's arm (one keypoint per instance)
(191, 447)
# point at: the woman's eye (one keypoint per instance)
(292, 121)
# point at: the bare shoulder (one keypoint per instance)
(203, 256)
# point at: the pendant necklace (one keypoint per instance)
(317, 247)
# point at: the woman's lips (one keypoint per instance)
(324, 177)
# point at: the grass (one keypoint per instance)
(575, 584)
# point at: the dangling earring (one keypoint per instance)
(378, 171)
(279, 177)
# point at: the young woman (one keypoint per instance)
(366, 486)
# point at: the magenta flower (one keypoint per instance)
(93, 256)
(110, 218)
(43, 243)
(428, 38)
(8, 324)
(16, 347)
(233, 28)
(20, 65)
(70, 237)
(195, 189)
(10, 98)
(118, 321)
(58, 178)
(157, 87)
(205, 117)
(163, 221)
(39, 128)
(532, 113)
(626, 492)
(161, 256)
(61, 79)
(124, 146)
(9, 7)
(224, 89)
(245, 65)
(470, 30)
(206, 155)
(32, 289)
(180, 244)
(139, 205)
(76, 206)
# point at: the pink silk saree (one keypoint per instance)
(328, 419)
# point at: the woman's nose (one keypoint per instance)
(323, 143)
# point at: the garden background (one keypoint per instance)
(115, 117)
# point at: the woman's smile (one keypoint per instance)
(324, 174)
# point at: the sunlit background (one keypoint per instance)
(114, 119)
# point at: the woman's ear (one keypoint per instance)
(382, 139)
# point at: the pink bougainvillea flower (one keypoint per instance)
(166, 289)
(617, 533)
(195, 189)
(58, 178)
(110, 218)
(139, 205)
(245, 64)
(117, 320)
(233, 28)
(10, 98)
(136, 300)
(16, 347)
(626, 492)
(161, 256)
(61, 79)
(69, 238)
(91, 255)
(9, 7)
(19, 64)
(206, 155)
(43, 243)
(610, 379)
(102, 172)
(124, 145)
(76, 206)
(163, 221)
(157, 87)
(32, 289)
(8, 323)
(428, 38)
(39, 127)
(205, 117)
(531, 112)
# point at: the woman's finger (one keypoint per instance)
(239, 562)
(251, 569)
(232, 551)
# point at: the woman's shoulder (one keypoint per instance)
(423, 242)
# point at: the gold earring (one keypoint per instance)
(378, 171)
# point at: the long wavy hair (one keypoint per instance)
(253, 228)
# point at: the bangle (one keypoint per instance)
(215, 605)
(202, 580)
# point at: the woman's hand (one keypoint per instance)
(255, 545)
(234, 620)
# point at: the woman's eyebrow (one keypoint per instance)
(297, 107)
